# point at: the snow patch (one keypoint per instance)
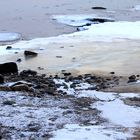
(120, 114)
(76, 132)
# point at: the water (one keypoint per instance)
(35, 19)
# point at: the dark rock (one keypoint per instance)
(112, 72)
(8, 47)
(8, 102)
(50, 91)
(67, 74)
(1, 79)
(5, 88)
(30, 53)
(9, 67)
(28, 72)
(100, 20)
(34, 127)
(22, 87)
(39, 68)
(19, 60)
(58, 56)
(132, 78)
(88, 24)
(98, 8)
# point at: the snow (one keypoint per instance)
(97, 95)
(110, 104)
(120, 114)
(113, 109)
(110, 31)
(76, 132)
(26, 110)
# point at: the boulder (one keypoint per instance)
(28, 72)
(30, 53)
(22, 87)
(132, 78)
(10, 67)
(98, 8)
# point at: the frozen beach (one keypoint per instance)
(85, 82)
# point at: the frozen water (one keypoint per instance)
(137, 8)
(9, 37)
(76, 132)
(120, 114)
(79, 20)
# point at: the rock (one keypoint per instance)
(5, 88)
(67, 74)
(132, 78)
(100, 20)
(112, 72)
(28, 72)
(9, 67)
(8, 102)
(34, 127)
(98, 8)
(1, 79)
(22, 87)
(20, 83)
(8, 47)
(30, 53)
(58, 56)
(19, 60)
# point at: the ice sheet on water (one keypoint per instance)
(137, 8)
(80, 20)
(9, 37)
(73, 20)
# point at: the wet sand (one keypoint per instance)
(99, 57)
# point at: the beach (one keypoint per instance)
(75, 73)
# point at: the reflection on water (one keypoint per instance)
(122, 57)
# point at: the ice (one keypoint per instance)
(129, 95)
(109, 31)
(104, 32)
(73, 20)
(76, 132)
(9, 37)
(120, 114)
(137, 8)
(97, 95)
